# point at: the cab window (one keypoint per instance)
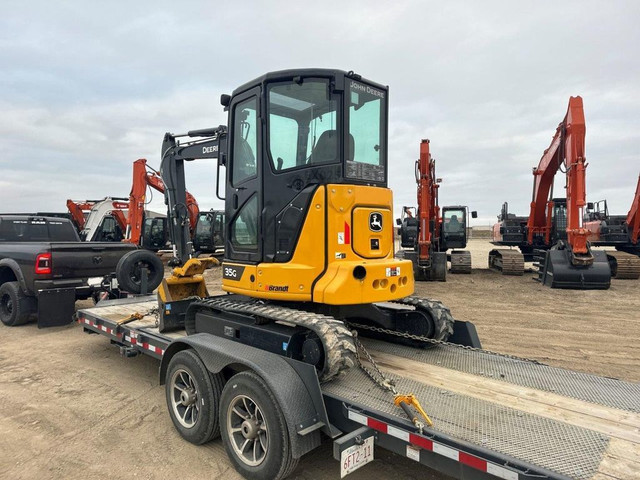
(245, 141)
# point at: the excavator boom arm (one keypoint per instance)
(568, 148)
(633, 217)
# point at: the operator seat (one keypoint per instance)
(326, 149)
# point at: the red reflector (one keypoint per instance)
(43, 264)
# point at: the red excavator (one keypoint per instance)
(425, 235)
(151, 232)
(206, 228)
(619, 231)
(554, 229)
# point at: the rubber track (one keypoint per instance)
(337, 340)
(461, 261)
(628, 265)
(440, 314)
(511, 262)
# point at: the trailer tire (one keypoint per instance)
(129, 268)
(15, 307)
(193, 398)
(264, 427)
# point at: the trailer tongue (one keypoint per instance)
(495, 416)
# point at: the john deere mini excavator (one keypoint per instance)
(309, 227)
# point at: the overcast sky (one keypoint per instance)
(88, 87)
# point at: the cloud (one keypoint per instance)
(88, 88)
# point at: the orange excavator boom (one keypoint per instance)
(144, 176)
(633, 217)
(568, 148)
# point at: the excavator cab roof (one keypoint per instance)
(325, 119)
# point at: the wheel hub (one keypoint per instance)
(188, 397)
(250, 428)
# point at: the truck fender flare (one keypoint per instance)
(298, 397)
(11, 264)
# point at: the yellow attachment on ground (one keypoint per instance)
(186, 281)
(412, 400)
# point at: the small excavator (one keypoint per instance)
(425, 235)
(554, 229)
(309, 234)
(619, 231)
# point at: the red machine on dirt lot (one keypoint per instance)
(151, 232)
(619, 231)
(554, 226)
(425, 235)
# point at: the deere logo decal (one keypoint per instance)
(375, 221)
(276, 288)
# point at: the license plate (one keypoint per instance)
(355, 457)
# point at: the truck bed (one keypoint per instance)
(509, 417)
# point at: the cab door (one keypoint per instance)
(243, 199)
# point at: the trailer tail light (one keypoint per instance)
(43, 264)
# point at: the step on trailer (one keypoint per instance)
(494, 416)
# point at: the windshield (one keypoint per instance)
(303, 124)
(367, 132)
(454, 220)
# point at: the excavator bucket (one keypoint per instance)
(176, 292)
(559, 271)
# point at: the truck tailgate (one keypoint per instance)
(86, 259)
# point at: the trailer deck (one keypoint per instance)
(493, 415)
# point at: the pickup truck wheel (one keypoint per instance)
(193, 398)
(129, 271)
(254, 430)
(15, 306)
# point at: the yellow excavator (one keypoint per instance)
(309, 247)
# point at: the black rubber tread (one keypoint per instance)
(23, 306)
(511, 261)
(279, 462)
(441, 315)
(128, 271)
(210, 388)
(339, 348)
(462, 263)
(627, 266)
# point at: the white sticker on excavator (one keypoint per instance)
(340, 238)
(393, 271)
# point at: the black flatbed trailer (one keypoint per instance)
(495, 416)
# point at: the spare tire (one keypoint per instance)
(129, 271)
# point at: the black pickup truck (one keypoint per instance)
(45, 268)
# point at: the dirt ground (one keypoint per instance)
(72, 408)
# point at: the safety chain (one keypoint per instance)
(376, 376)
(380, 379)
(433, 341)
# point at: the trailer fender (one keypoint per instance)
(295, 387)
(10, 271)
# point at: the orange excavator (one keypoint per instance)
(619, 231)
(426, 235)
(151, 232)
(554, 229)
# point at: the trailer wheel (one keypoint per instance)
(129, 271)
(15, 306)
(193, 398)
(254, 430)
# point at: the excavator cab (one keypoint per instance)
(308, 211)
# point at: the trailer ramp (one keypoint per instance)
(565, 424)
